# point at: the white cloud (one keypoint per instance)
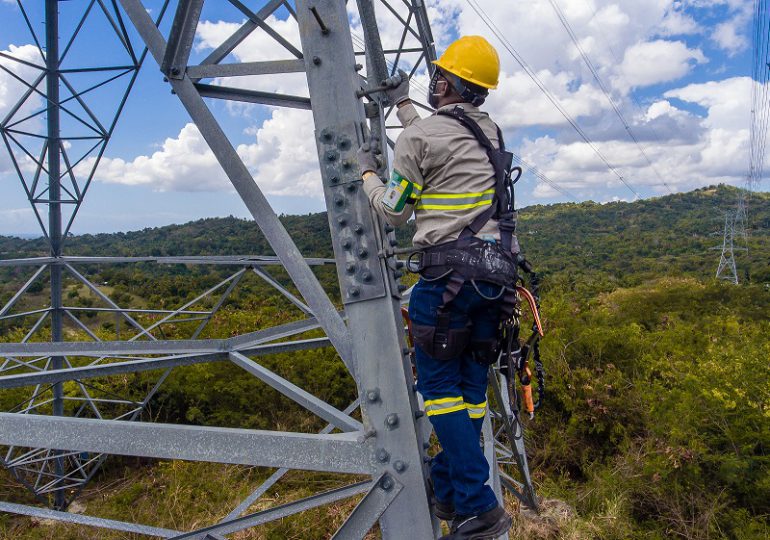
(518, 102)
(676, 23)
(283, 161)
(717, 153)
(658, 61)
(728, 37)
(184, 163)
(11, 90)
(727, 101)
(284, 158)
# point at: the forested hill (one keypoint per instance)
(655, 419)
(600, 246)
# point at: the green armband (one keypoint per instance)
(398, 192)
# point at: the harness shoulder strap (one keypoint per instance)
(501, 161)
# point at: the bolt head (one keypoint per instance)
(373, 395)
(316, 61)
(383, 456)
(355, 292)
(387, 483)
(399, 466)
(391, 420)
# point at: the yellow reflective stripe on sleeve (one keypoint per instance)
(476, 411)
(435, 407)
(422, 206)
(455, 201)
(458, 195)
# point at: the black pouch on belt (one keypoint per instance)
(440, 341)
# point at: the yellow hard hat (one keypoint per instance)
(473, 59)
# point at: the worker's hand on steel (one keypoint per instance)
(398, 87)
(369, 156)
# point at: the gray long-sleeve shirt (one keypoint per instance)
(453, 177)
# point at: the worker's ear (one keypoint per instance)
(442, 88)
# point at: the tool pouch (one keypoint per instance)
(485, 351)
(439, 343)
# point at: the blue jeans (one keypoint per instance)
(455, 393)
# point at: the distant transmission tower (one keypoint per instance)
(726, 269)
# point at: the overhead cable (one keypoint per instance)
(565, 23)
(553, 99)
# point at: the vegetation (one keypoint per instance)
(657, 420)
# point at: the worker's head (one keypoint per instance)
(467, 70)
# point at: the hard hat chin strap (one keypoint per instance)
(468, 95)
(475, 96)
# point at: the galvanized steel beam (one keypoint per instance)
(89, 521)
(384, 379)
(341, 453)
(370, 509)
(250, 193)
(269, 67)
(279, 512)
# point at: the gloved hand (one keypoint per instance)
(369, 156)
(398, 87)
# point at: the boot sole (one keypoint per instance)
(501, 527)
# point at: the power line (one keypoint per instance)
(618, 61)
(597, 78)
(539, 174)
(529, 167)
(554, 101)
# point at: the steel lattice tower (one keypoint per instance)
(727, 269)
(56, 449)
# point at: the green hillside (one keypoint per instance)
(657, 416)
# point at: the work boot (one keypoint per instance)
(444, 511)
(486, 526)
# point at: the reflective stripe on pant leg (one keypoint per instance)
(476, 411)
(434, 407)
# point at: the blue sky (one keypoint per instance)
(678, 71)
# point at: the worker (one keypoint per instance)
(444, 173)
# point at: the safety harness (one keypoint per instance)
(469, 258)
